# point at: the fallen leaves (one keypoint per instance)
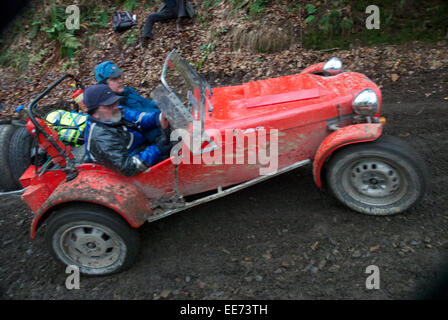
(165, 293)
(142, 67)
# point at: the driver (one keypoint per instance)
(108, 73)
(116, 138)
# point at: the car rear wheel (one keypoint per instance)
(92, 238)
(382, 177)
(20, 153)
(6, 178)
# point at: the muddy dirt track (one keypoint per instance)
(281, 239)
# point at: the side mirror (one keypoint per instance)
(333, 67)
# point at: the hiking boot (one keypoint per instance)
(144, 41)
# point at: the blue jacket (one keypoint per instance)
(134, 101)
(118, 146)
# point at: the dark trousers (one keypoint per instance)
(165, 14)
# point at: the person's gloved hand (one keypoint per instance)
(163, 145)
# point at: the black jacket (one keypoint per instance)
(118, 146)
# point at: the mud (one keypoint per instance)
(280, 239)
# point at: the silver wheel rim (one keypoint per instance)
(374, 181)
(92, 246)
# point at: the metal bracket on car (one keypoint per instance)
(210, 109)
(192, 99)
(221, 193)
(333, 124)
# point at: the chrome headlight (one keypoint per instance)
(333, 67)
(366, 103)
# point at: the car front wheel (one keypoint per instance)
(92, 238)
(382, 177)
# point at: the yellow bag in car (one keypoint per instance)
(69, 125)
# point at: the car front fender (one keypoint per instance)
(351, 134)
(112, 191)
(315, 68)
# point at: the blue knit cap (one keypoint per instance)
(106, 70)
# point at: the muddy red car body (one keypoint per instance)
(313, 115)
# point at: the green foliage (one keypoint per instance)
(293, 7)
(35, 27)
(21, 60)
(130, 5)
(238, 4)
(56, 30)
(258, 6)
(18, 60)
(99, 19)
(341, 23)
(69, 64)
(331, 23)
(38, 57)
(254, 7)
(211, 4)
(310, 18)
(310, 8)
(206, 49)
(131, 37)
(202, 20)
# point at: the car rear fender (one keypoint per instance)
(351, 134)
(111, 191)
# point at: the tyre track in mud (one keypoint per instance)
(280, 239)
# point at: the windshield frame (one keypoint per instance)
(175, 61)
(199, 86)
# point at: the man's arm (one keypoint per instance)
(143, 120)
(109, 149)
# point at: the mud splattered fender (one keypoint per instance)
(356, 133)
(107, 189)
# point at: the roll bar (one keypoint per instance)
(71, 172)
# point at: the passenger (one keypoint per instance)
(171, 9)
(108, 73)
(116, 138)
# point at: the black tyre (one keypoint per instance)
(20, 154)
(93, 238)
(6, 178)
(382, 177)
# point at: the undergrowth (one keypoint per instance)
(342, 23)
(41, 23)
(326, 24)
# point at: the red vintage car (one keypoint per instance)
(228, 138)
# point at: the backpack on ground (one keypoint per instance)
(122, 21)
